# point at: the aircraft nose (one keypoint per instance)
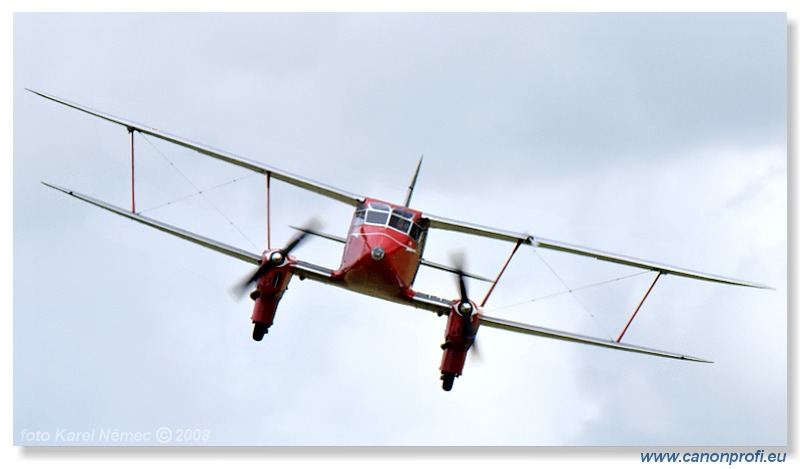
(377, 253)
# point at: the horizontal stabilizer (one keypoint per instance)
(452, 270)
(320, 234)
(424, 262)
(314, 272)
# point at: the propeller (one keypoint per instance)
(465, 308)
(275, 258)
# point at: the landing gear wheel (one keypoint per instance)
(259, 329)
(447, 380)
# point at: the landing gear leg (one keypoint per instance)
(259, 329)
(447, 380)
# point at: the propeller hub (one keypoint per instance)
(277, 258)
(465, 307)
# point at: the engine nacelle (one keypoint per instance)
(268, 293)
(457, 342)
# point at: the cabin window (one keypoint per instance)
(400, 224)
(358, 219)
(415, 233)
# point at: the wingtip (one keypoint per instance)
(51, 97)
(759, 286)
(40, 93)
(58, 188)
(695, 359)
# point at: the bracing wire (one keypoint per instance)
(195, 194)
(572, 291)
(200, 192)
(565, 292)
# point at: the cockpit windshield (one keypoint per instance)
(378, 214)
(383, 215)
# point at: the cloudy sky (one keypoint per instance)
(661, 136)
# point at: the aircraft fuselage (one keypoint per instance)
(383, 249)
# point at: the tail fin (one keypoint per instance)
(413, 183)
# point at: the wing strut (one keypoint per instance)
(514, 251)
(640, 305)
(133, 197)
(269, 248)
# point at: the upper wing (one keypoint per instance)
(473, 229)
(524, 238)
(299, 181)
(642, 264)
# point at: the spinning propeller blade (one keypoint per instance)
(465, 308)
(276, 258)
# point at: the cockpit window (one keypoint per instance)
(400, 224)
(381, 207)
(377, 218)
(397, 219)
(403, 213)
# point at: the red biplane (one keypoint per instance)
(382, 254)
